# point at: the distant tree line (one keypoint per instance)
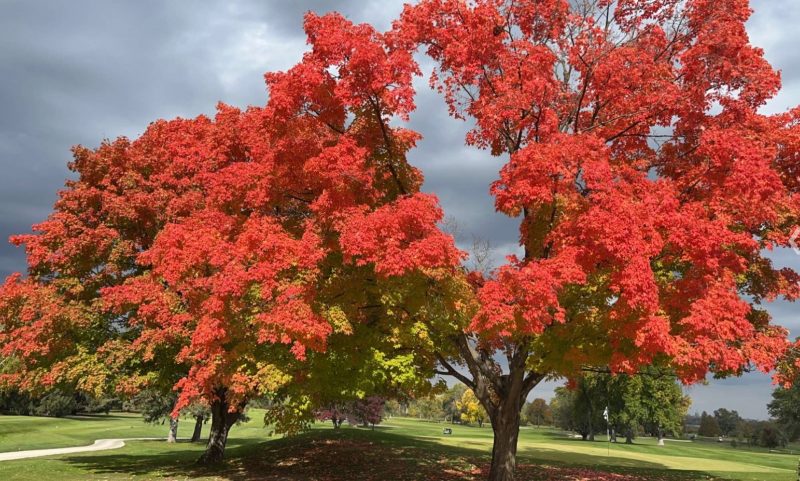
(154, 406)
(54, 403)
(357, 412)
(458, 405)
(651, 403)
(727, 425)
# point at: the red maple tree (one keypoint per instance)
(647, 183)
(207, 255)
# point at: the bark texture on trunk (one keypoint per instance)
(198, 427)
(173, 431)
(505, 425)
(221, 422)
(501, 394)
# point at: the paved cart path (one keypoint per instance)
(99, 445)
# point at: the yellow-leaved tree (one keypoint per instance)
(471, 409)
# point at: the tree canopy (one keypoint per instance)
(537, 412)
(213, 255)
(470, 409)
(727, 420)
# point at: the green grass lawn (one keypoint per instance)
(401, 449)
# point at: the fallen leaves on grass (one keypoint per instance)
(343, 459)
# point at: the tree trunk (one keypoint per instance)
(629, 436)
(221, 421)
(660, 437)
(502, 395)
(173, 430)
(505, 424)
(198, 427)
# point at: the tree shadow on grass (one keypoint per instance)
(350, 455)
(98, 417)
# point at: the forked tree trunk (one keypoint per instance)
(198, 427)
(173, 431)
(221, 421)
(505, 424)
(502, 395)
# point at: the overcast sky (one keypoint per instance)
(76, 72)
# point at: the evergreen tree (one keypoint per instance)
(708, 426)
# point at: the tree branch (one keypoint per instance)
(377, 108)
(451, 371)
(530, 382)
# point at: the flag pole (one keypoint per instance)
(608, 432)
